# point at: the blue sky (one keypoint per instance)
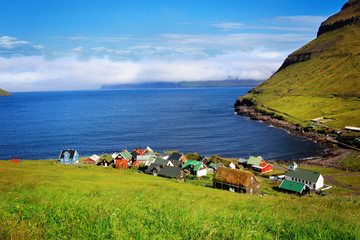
(78, 44)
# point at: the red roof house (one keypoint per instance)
(16, 160)
(258, 164)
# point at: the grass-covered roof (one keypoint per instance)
(233, 176)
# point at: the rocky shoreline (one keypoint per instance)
(245, 108)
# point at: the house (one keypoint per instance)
(154, 169)
(16, 160)
(195, 167)
(69, 156)
(121, 164)
(92, 160)
(165, 156)
(310, 179)
(236, 181)
(206, 161)
(178, 157)
(148, 150)
(161, 161)
(103, 163)
(232, 165)
(258, 164)
(216, 166)
(146, 159)
(124, 155)
(172, 172)
(136, 164)
(295, 187)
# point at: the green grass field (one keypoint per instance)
(44, 200)
(351, 180)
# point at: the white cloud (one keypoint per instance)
(34, 73)
(10, 46)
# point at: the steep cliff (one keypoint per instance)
(321, 79)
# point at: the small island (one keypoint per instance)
(4, 93)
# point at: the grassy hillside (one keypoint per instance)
(322, 79)
(41, 199)
(4, 93)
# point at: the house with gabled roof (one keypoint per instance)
(165, 156)
(121, 164)
(178, 157)
(295, 187)
(146, 159)
(94, 159)
(172, 172)
(195, 167)
(236, 180)
(161, 161)
(258, 164)
(69, 156)
(313, 180)
(154, 169)
(119, 159)
(16, 160)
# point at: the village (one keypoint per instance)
(232, 175)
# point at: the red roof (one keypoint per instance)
(16, 160)
(89, 160)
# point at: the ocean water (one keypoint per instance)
(38, 125)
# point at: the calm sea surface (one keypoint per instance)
(38, 125)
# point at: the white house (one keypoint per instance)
(313, 180)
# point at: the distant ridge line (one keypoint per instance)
(186, 84)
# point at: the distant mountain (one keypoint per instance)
(186, 84)
(4, 93)
(321, 79)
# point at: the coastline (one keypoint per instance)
(245, 109)
(252, 114)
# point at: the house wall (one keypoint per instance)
(313, 186)
(267, 168)
(201, 172)
(76, 158)
(320, 183)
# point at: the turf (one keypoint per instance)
(41, 199)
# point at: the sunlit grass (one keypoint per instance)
(40, 199)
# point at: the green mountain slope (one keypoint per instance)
(4, 93)
(321, 79)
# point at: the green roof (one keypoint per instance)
(254, 160)
(304, 175)
(196, 164)
(126, 154)
(292, 186)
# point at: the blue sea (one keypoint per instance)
(38, 125)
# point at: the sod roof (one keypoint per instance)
(233, 176)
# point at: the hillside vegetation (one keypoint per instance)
(321, 79)
(44, 200)
(4, 93)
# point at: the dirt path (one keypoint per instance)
(330, 180)
(280, 168)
